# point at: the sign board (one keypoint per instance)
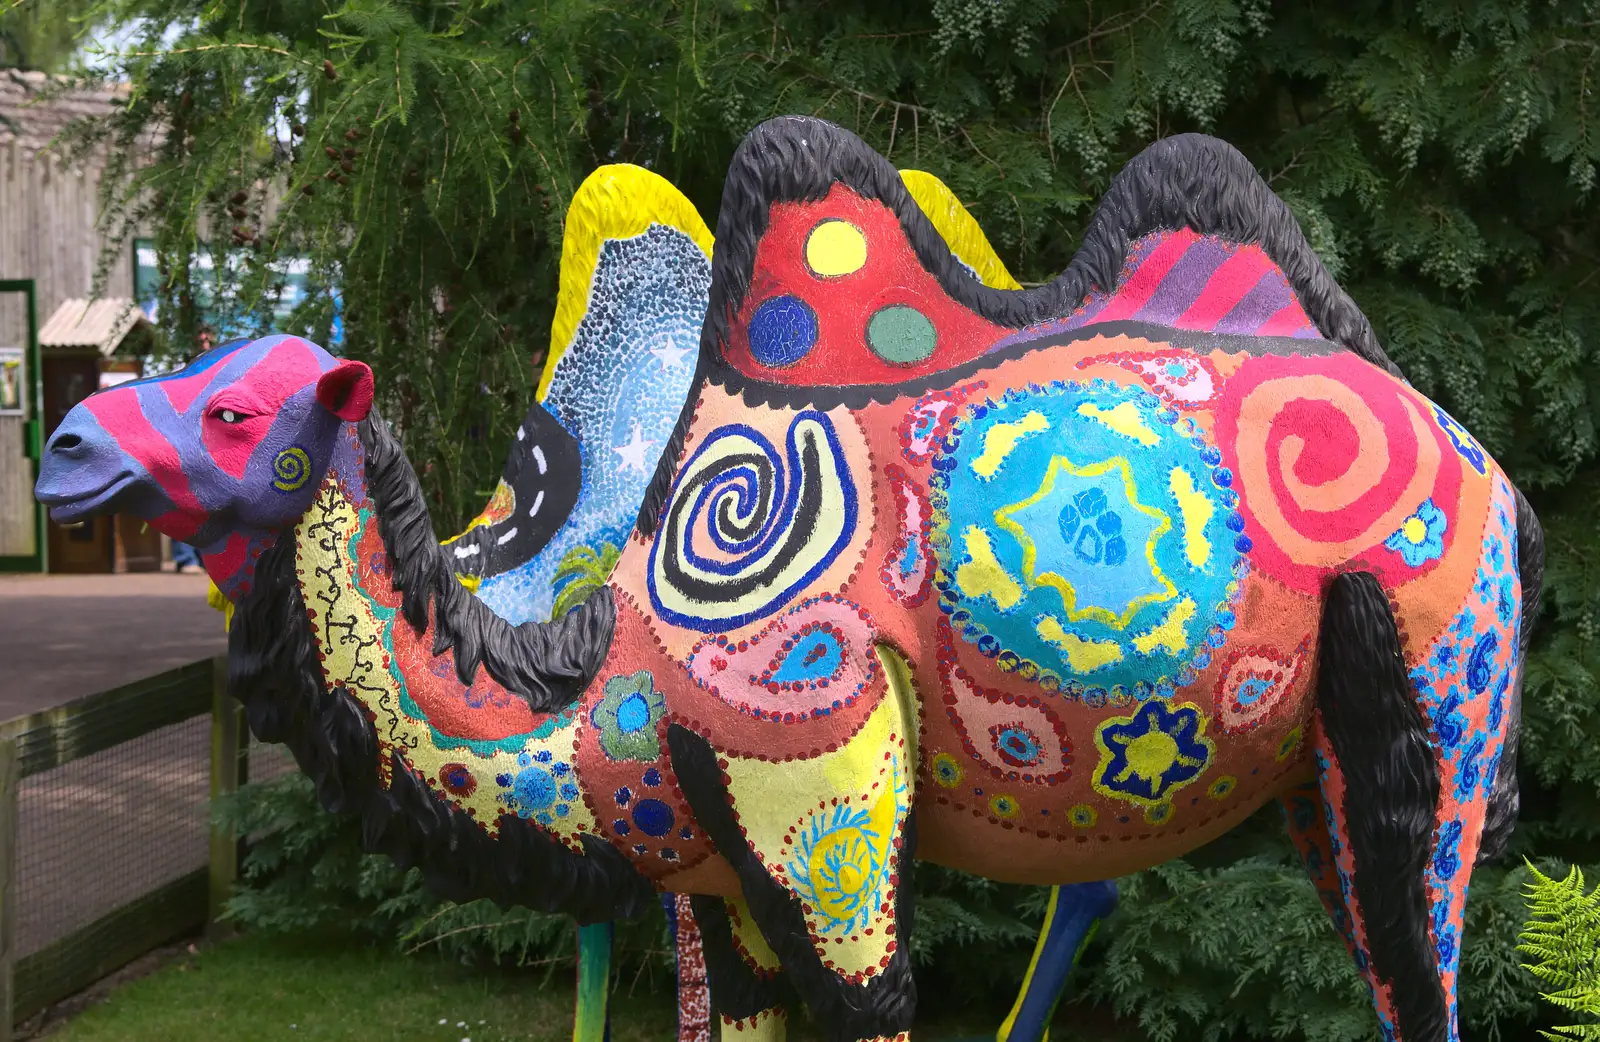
(13, 381)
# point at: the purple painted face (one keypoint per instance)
(222, 454)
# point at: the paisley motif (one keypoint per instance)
(1186, 381)
(929, 419)
(1015, 737)
(907, 570)
(746, 528)
(813, 660)
(1254, 682)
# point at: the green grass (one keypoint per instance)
(267, 988)
(315, 990)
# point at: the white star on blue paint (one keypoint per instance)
(670, 354)
(633, 451)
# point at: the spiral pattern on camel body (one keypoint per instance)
(1329, 463)
(748, 528)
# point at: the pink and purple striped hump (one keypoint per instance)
(1187, 280)
(221, 454)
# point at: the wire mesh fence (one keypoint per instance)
(106, 849)
(101, 831)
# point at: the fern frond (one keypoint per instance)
(1563, 940)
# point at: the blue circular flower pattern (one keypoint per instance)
(1088, 539)
(542, 787)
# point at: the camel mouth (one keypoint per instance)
(69, 508)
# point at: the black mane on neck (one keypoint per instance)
(274, 670)
(549, 664)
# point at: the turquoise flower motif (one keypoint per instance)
(626, 717)
(1420, 538)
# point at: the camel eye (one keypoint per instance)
(230, 416)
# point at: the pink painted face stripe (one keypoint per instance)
(1228, 285)
(121, 415)
(181, 391)
(1146, 279)
(257, 392)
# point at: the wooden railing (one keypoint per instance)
(53, 738)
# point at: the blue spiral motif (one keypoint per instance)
(291, 469)
(746, 529)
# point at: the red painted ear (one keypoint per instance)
(346, 391)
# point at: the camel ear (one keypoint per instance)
(346, 391)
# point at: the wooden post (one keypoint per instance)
(227, 774)
(9, 780)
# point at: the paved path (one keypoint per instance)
(64, 636)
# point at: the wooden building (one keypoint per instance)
(49, 234)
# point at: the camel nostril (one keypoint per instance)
(66, 443)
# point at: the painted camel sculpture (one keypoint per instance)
(1046, 585)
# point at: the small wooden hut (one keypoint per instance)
(50, 236)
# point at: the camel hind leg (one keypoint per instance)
(1406, 760)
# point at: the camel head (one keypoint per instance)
(222, 454)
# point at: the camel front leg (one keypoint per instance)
(1070, 921)
(819, 845)
(747, 988)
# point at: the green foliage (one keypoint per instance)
(1233, 943)
(582, 571)
(306, 871)
(1441, 156)
(42, 35)
(1563, 939)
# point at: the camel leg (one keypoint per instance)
(694, 992)
(1307, 818)
(591, 1021)
(747, 988)
(819, 845)
(1070, 920)
(1406, 762)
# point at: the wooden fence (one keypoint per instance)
(156, 721)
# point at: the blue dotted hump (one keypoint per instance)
(627, 369)
(1074, 552)
(783, 330)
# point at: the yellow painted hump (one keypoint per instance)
(617, 201)
(959, 229)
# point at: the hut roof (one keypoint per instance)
(101, 324)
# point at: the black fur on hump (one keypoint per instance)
(548, 663)
(273, 669)
(1190, 180)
